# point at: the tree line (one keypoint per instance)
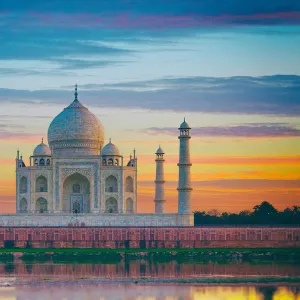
(262, 214)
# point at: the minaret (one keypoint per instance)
(159, 182)
(184, 181)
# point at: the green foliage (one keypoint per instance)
(101, 257)
(78, 257)
(5, 257)
(35, 257)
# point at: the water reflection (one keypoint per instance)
(148, 292)
(144, 268)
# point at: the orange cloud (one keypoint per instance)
(229, 160)
(222, 199)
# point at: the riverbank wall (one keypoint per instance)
(149, 237)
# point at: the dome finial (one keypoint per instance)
(42, 140)
(76, 94)
(184, 119)
(109, 140)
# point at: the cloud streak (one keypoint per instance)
(230, 160)
(156, 22)
(255, 131)
(236, 184)
(207, 7)
(23, 137)
(248, 95)
(119, 14)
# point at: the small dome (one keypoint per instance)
(184, 125)
(160, 151)
(130, 163)
(110, 149)
(42, 149)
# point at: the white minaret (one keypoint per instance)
(159, 182)
(184, 181)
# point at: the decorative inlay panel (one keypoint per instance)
(66, 172)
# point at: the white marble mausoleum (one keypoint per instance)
(78, 176)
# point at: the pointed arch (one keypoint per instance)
(23, 205)
(111, 205)
(76, 194)
(23, 185)
(41, 184)
(129, 205)
(41, 205)
(111, 184)
(129, 184)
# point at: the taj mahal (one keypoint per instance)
(77, 178)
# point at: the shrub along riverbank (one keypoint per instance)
(109, 256)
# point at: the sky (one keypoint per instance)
(231, 68)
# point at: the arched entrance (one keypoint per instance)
(76, 194)
(76, 207)
(41, 184)
(111, 184)
(23, 185)
(111, 205)
(41, 205)
(129, 206)
(129, 184)
(23, 205)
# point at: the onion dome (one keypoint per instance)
(110, 149)
(75, 131)
(42, 150)
(131, 162)
(184, 125)
(160, 150)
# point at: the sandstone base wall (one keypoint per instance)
(149, 237)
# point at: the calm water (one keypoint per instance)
(144, 269)
(53, 281)
(148, 292)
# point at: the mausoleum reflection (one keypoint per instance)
(147, 292)
(144, 269)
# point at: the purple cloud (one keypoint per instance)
(127, 20)
(251, 95)
(260, 130)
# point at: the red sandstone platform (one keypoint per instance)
(149, 237)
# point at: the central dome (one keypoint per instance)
(75, 132)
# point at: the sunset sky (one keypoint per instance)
(232, 68)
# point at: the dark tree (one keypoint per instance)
(264, 214)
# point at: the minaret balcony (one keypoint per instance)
(184, 188)
(159, 181)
